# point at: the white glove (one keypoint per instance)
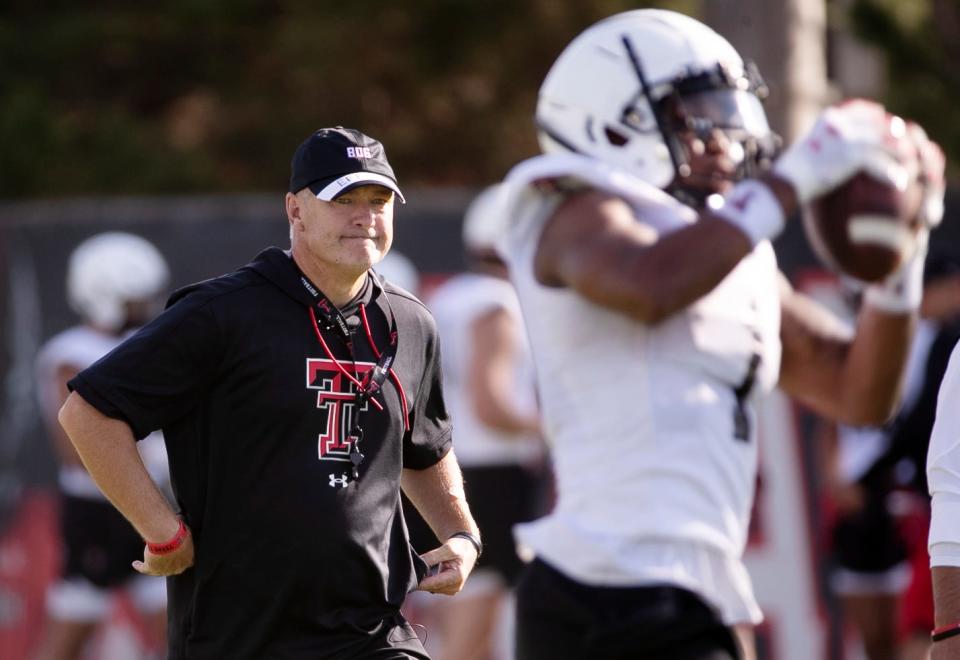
(932, 164)
(854, 136)
(902, 292)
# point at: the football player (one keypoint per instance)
(115, 282)
(639, 245)
(488, 385)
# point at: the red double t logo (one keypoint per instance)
(336, 395)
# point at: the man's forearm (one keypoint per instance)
(108, 451)
(438, 494)
(946, 596)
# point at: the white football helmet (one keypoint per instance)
(622, 89)
(109, 270)
(483, 222)
(398, 268)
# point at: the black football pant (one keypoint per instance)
(561, 619)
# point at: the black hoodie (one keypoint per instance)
(294, 558)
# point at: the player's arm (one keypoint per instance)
(495, 338)
(438, 494)
(108, 451)
(594, 244)
(853, 378)
(857, 380)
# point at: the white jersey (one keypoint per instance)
(649, 459)
(456, 305)
(943, 470)
(79, 347)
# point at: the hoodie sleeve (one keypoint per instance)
(429, 437)
(157, 375)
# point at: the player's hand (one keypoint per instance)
(903, 289)
(172, 563)
(931, 175)
(450, 565)
(851, 137)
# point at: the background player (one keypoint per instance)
(115, 282)
(489, 387)
(878, 491)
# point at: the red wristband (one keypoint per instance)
(167, 547)
(945, 632)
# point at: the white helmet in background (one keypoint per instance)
(399, 269)
(484, 221)
(608, 95)
(109, 270)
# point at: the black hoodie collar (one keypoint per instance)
(279, 268)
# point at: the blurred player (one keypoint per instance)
(115, 282)
(868, 552)
(489, 385)
(398, 268)
(657, 314)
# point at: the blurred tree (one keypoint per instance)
(921, 42)
(214, 95)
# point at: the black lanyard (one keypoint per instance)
(333, 321)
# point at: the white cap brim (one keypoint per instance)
(354, 180)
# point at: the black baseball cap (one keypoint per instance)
(334, 160)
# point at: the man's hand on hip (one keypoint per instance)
(171, 563)
(453, 561)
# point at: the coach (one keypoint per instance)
(297, 394)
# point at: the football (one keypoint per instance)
(865, 228)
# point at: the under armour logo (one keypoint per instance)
(341, 481)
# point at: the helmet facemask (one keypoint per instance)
(691, 109)
(637, 89)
